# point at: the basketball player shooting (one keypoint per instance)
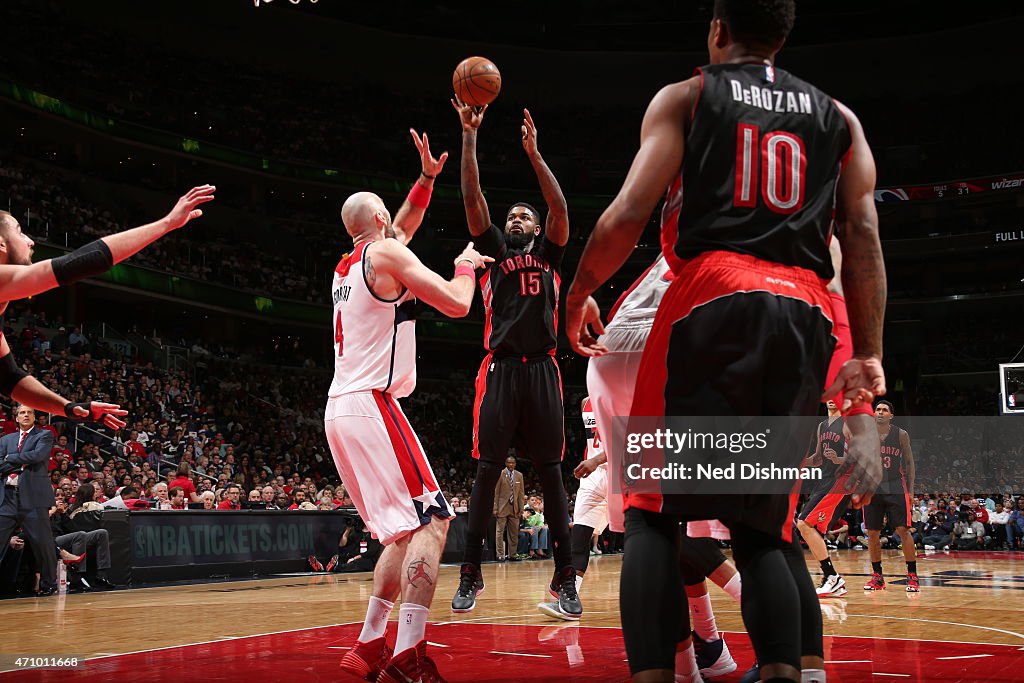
(518, 387)
(20, 278)
(745, 327)
(378, 456)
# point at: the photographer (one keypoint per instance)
(968, 532)
(938, 531)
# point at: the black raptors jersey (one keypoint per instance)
(832, 437)
(520, 292)
(763, 155)
(893, 479)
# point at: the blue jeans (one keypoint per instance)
(540, 539)
(1013, 531)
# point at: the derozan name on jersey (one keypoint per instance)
(341, 294)
(780, 101)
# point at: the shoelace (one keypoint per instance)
(467, 584)
(569, 587)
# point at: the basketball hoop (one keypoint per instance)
(294, 2)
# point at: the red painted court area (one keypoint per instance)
(495, 652)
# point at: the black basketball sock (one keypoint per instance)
(580, 536)
(770, 601)
(651, 598)
(826, 566)
(556, 511)
(810, 607)
(912, 567)
(876, 567)
(481, 504)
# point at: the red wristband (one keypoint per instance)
(419, 196)
(463, 269)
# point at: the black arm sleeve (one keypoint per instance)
(92, 259)
(10, 374)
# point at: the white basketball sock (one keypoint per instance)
(686, 666)
(412, 625)
(579, 582)
(376, 624)
(812, 676)
(732, 587)
(703, 617)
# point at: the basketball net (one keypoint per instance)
(294, 2)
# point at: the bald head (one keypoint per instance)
(364, 212)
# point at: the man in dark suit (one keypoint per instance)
(27, 495)
(509, 499)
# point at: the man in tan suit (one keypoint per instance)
(509, 499)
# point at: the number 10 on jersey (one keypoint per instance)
(780, 160)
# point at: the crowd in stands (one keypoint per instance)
(290, 115)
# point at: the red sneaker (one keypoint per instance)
(877, 583)
(913, 585)
(315, 563)
(411, 666)
(331, 564)
(366, 660)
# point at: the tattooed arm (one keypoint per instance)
(620, 226)
(478, 215)
(556, 227)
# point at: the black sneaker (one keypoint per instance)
(753, 674)
(563, 587)
(471, 584)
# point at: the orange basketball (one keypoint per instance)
(476, 81)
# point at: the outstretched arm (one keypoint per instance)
(452, 297)
(556, 227)
(410, 215)
(620, 226)
(478, 216)
(29, 391)
(18, 282)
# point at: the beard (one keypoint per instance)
(519, 240)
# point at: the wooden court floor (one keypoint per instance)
(969, 609)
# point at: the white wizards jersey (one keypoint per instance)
(595, 446)
(374, 339)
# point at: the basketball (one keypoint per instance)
(476, 81)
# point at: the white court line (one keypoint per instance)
(928, 621)
(207, 642)
(848, 661)
(518, 654)
(966, 657)
(510, 616)
(437, 644)
(900, 675)
(338, 647)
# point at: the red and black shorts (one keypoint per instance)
(518, 404)
(894, 505)
(736, 335)
(825, 507)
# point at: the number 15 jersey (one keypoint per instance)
(764, 151)
(520, 292)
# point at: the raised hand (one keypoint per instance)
(529, 129)
(431, 166)
(473, 256)
(185, 210)
(471, 116)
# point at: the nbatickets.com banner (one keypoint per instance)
(759, 455)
